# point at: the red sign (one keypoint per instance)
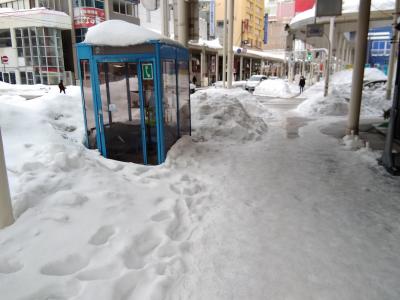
(4, 59)
(85, 17)
(303, 5)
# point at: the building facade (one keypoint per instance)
(379, 46)
(248, 23)
(31, 45)
(38, 37)
(279, 13)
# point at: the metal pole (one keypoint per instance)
(165, 18)
(392, 59)
(216, 67)
(6, 214)
(330, 48)
(241, 68)
(202, 66)
(225, 43)
(183, 33)
(358, 69)
(230, 43)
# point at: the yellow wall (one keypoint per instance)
(253, 10)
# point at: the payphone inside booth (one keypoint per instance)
(135, 97)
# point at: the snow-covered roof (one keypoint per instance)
(12, 18)
(349, 7)
(120, 33)
(213, 44)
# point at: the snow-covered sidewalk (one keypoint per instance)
(244, 209)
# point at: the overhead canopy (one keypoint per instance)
(119, 33)
(380, 10)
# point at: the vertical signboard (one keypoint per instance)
(265, 29)
(212, 18)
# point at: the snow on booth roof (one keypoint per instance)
(120, 33)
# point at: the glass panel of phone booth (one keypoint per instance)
(184, 100)
(88, 103)
(170, 104)
(150, 117)
(118, 83)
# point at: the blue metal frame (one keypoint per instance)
(161, 51)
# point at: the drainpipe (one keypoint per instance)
(392, 60)
(358, 69)
(230, 43)
(216, 66)
(6, 214)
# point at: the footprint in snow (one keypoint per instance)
(102, 235)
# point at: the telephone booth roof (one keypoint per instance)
(154, 110)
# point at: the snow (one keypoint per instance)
(121, 33)
(337, 101)
(238, 211)
(277, 88)
(233, 118)
(212, 44)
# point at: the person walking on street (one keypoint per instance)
(194, 80)
(302, 83)
(61, 86)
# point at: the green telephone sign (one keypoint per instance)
(147, 71)
(309, 56)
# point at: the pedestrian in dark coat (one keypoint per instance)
(302, 83)
(194, 80)
(61, 87)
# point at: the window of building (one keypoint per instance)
(16, 4)
(5, 38)
(125, 7)
(41, 47)
(80, 34)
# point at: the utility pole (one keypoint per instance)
(358, 69)
(392, 59)
(6, 215)
(165, 17)
(225, 43)
(183, 33)
(330, 49)
(230, 43)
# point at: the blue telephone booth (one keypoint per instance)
(135, 98)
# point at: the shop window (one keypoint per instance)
(23, 77)
(12, 78)
(5, 38)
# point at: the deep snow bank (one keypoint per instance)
(226, 114)
(87, 227)
(336, 104)
(277, 88)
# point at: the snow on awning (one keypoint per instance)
(119, 33)
(213, 44)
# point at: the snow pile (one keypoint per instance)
(337, 102)
(121, 33)
(353, 142)
(222, 114)
(88, 227)
(276, 88)
(237, 84)
(25, 91)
